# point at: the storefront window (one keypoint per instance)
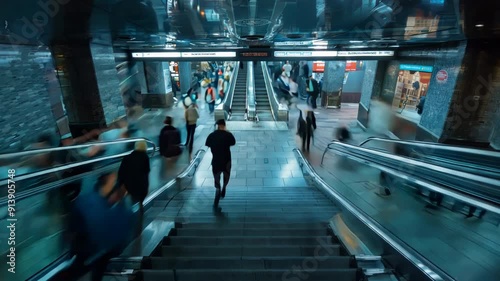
(411, 88)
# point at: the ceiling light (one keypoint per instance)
(480, 25)
(355, 41)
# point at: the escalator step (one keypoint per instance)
(246, 240)
(249, 251)
(255, 263)
(247, 275)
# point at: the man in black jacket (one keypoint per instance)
(170, 140)
(220, 142)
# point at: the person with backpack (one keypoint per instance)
(191, 115)
(210, 98)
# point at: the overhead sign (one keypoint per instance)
(318, 66)
(185, 55)
(442, 76)
(208, 54)
(284, 54)
(414, 67)
(157, 55)
(365, 53)
(254, 54)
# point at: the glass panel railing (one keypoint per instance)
(455, 182)
(475, 161)
(421, 235)
(41, 219)
(39, 166)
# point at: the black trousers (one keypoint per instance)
(190, 136)
(226, 173)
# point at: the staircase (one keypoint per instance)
(261, 234)
(239, 103)
(261, 97)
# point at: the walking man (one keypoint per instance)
(191, 114)
(220, 142)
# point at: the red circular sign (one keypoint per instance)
(442, 76)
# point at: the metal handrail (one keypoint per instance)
(250, 93)
(52, 149)
(440, 146)
(474, 200)
(70, 166)
(419, 261)
(276, 106)
(232, 85)
(65, 260)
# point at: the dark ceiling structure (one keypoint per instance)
(205, 24)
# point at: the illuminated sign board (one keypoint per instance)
(318, 66)
(366, 53)
(208, 54)
(284, 54)
(157, 55)
(414, 67)
(185, 55)
(254, 54)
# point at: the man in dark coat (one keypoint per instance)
(170, 140)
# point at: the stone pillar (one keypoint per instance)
(372, 86)
(471, 119)
(333, 81)
(185, 76)
(108, 84)
(91, 90)
(154, 77)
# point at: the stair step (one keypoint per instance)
(260, 225)
(215, 232)
(255, 263)
(248, 275)
(250, 251)
(246, 240)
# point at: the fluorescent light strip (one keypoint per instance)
(157, 55)
(366, 53)
(209, 54)
(282, 54)
(185, 55)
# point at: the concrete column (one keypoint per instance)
(333, 80)
(91, 89)
(108, 84)
(155, 79)
(185, 76)
(473, 110)
(371, 88)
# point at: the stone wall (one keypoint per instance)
(26, 106)
(333, 78)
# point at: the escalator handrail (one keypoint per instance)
(275, 104)
(419, 261)
(230, 91)
(70, 166)
(474, 200)
(440, 146)
(87, 145)
(432, 167)
(62, 262)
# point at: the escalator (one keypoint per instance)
(239, 102)
(263, 105)
(296, 228)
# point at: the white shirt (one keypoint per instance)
(294, 87)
